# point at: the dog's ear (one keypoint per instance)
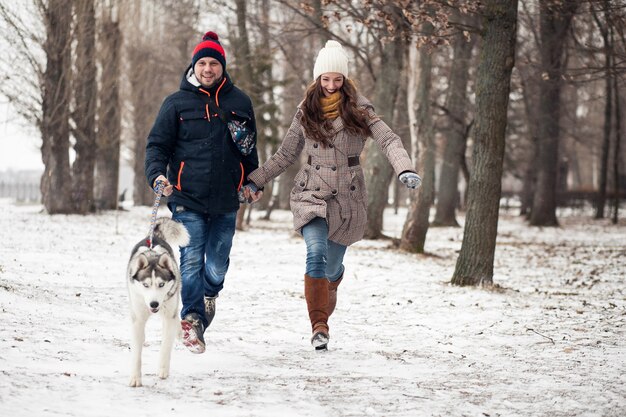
(138, 263)
(165, 262)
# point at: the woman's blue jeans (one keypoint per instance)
(204, 262)
(324, 258)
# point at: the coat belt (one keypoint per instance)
(352, 161)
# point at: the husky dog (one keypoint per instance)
(154, 283)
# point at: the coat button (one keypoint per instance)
(317, 188)
(334, 168)
(317, 167)
(334, 192)
(331, 146)
(315, 145)
(352, 188)
(302, 184)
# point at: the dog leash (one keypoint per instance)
(158, 189)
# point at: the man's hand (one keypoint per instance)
(251, 193)
(169, 188)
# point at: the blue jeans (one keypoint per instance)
(324, 258)
(204, 262)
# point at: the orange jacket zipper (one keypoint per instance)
(180, 173)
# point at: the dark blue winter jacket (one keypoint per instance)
(196, 147)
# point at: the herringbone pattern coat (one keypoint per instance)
(327, 186)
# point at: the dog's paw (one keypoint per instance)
(163, 373)
(135, 381)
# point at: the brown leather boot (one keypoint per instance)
(316, 295)
(332, 295)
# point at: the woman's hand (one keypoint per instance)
(251, 193)
(410, 179)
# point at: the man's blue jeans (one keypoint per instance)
(204, 262)
(324, 258)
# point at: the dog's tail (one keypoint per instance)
(171, 231)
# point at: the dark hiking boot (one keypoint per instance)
(193, 332)
(209, 309)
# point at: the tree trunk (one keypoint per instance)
(378, 170)
(85, 90)
(457, 103)
(616, 150)
(474, 265)
(608, 111)
(143, 102)
(530, 173)
(55, 130)
(416, 224)
(555, 19)
(109, 118)
(402, 128)
(142, 95)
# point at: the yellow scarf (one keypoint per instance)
(330, 105)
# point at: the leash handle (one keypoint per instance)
(158, 189)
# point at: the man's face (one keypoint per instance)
(208, 71)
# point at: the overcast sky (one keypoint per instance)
(20, 142)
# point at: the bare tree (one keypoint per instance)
(144, 101)
(475, 262)
(84, 114)
(616, 152)
(456, 133)
(21, 68)
(530, 175)
(143, 93)
(555, 19)
(417, 221)
(378, 171)
(64, 189)
(109, 114)
(606, 31)
(402, 126)
(55, 130)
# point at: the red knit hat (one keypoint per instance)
(209, 47)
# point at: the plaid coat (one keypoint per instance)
(328, 185)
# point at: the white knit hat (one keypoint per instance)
(331, 58)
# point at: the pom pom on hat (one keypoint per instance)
(209, 47)
(331, 58)
(210, 35)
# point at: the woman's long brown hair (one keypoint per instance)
(354, 118)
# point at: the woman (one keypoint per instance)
(329, 199)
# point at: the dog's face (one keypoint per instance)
(153, 278)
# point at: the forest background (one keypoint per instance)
(513, 114)
(495, 99)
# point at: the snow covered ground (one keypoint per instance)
(550, 342)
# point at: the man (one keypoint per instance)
(191, 149)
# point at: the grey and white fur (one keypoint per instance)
(154, 283)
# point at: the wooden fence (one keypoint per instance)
(23, 192)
